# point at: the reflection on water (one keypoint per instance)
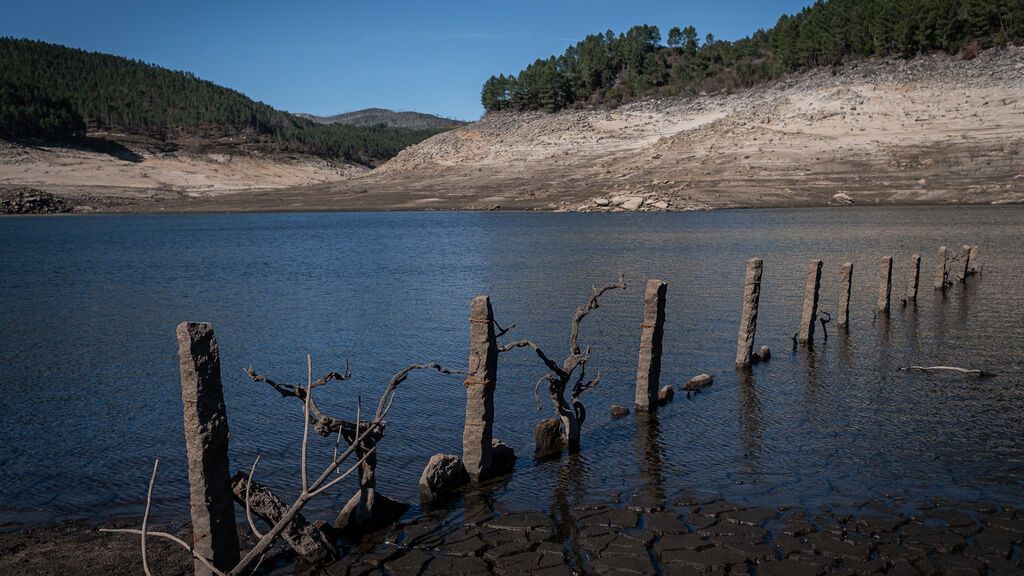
(88, 367)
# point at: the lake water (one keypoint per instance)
(89, 373)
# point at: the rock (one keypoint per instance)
(842, 199)
(443, 475)
(619, 411)
(618, 200)
(633, 203)
(665, 395)
(764, 353)
(660, 205)
(503, 459)
(24, 200)
(548, 437)
(699, 382)
(602, 201)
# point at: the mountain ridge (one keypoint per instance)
(384, 117)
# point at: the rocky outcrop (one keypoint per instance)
(24, 200)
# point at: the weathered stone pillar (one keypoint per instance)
(748, 323)
(810, 314)
(483, 372)
(915, 277)
(845, 286)
(648, 371)
(885, 286)
(941, 270)
(963, 271)
(214, 535)
(975, 265)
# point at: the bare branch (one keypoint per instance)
(172, 538)
(248, 492)
(591, 304)
(145, 516)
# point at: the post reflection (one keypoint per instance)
(751, 421)
(650, 450)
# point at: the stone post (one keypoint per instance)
(885, 286)
(974, 267)
(648, 371)
(963, 271)
(748, 324)
(810, 314)
(915, 277)
(214, 535)
(845, 286)
(941, 270)
(477, 434)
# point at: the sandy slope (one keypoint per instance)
(930, 130)
(933, 130)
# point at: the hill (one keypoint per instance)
(382, 117)
(606, 68)
(60, 94)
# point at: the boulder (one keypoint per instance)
(660, 205)
(602, 201)
(619, 411)
(841, 198)
(618, 200)
(633, 203)
(764, 353)
(548, 435)
(503, 459)
(699, 382)
(665, 395)
(443, 475)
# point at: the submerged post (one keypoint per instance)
(810, 314)
(885, 286)
(748, 323)
(845, 285)
(915, 277)
(964, 271)
(483, 369)
(648, 371)
(941, 270)
(974, 267)
(214, 535)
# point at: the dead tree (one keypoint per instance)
(573, 371)
(331, 475)
(368, 510)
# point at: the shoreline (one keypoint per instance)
(648, 533)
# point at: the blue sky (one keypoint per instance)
(330, 57)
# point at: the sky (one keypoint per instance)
(326, 57)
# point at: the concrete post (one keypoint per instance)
(483, 372)
(648, 371)
(885, 286)
(845, 286)
(748, 323)
(810, 314)
(941, 270)
(963, 271)
(214, 534)
(975, 266)
(915, 277)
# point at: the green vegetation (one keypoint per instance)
(53, 92)
(610, 68)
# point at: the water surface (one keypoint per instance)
(88, 357)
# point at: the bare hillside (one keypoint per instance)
(930, 130)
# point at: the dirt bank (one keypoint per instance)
(933, 130)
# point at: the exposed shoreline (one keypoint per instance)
(645, 534)
(933, 130)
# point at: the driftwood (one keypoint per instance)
(331, 475)
(571, 412)
(306, 539)
(934, 369)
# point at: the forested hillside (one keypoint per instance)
(615, 68)
(57, 93)
(382, 117)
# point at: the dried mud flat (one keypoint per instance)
(690, 534)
